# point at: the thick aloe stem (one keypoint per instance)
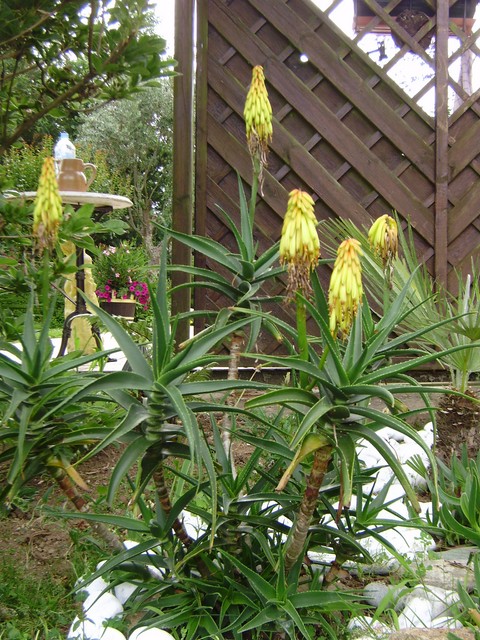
(321, 460)
(164, 499)
(236, 346)
(163, 496)
(155, 457)
(76, 498)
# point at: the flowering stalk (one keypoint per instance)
(346, 290)
(300, 250)
(47, 211)
(383, 238)
(258, 126)
(299, 244)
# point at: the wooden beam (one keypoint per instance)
(441, 143)
(182, 212)
(201, 144)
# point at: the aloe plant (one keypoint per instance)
(244, 592)
(427, 302)
(159, 400)
(334, 407)
(239, 277)
(42, 424)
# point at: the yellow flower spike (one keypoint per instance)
(383, 238)
(47, 212)
(258, 120)
(299, 244)
(345, 291)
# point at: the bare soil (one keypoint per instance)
(41, 544)
(458, 424)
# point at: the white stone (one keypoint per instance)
(444, 622)
(377, 592)
(366, 623)
(369, 459)
(84, 630)
(408, 542)
(157, 573)
(398, 510)
(416, 613)
(395, 491)
(144, 633)
(124, 590)
(194, 525)
(408, 449)
(88, 630)
(395, 435)
(383, 476)
(427, 434)
(130, 544)
(440, 599)
(100, 608)
(96, 587)
(112, 634)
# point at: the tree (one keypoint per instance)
(58, 57)
(136, 137)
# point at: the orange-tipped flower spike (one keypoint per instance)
(47, 212)
(299, 244)
(346, 290)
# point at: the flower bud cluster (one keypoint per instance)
(47, 211)
(346, 290)
(299, 244)
(258, 111)
(383, 238)
(258, 122)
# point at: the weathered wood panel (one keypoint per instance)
(343, 129)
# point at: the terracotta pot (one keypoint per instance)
(124, 308)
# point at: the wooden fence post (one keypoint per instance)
(182, 213)
(441, 143)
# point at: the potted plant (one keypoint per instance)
(119, 273)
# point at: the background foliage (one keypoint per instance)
(59, 58)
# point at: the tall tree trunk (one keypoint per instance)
(464, 77)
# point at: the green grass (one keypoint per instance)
(40, 606)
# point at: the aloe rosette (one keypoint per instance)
(334, 406)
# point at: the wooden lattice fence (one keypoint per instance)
(343, 128)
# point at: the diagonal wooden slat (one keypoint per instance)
(315, 112)
(343, 130)
(235, 153)
(293, 153)
(343, 77)
(464, 213)
(464, 149)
